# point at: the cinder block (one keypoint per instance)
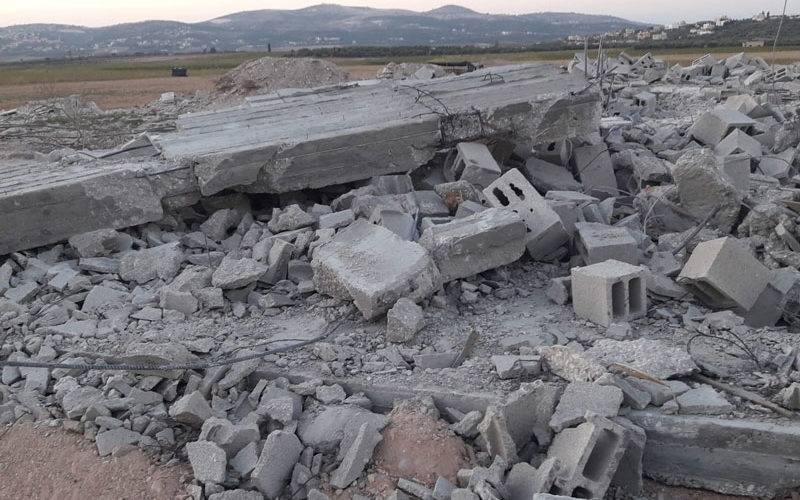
(723, 274)
(629, 472)
(474, 163)
(589, 456)
(597, 243)
(546, 176)
(609, 292)
(715, 125)
(738, 142)
(595, 170)
(546, 232)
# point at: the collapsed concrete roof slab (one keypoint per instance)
(43, 203)
(317, 137)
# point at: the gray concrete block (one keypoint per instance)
(230, 437)
(475, 164)
(629, 472)
(238, 495)
(373, 267)
(609, 292)
(278, 261)
(580, 397)
(589, 456)
(98, 243)
(772, 301)
(737, 169)
(400, 223)
(723, 274)
(716, 124)
(730, 456)
(738, 142)
(208, 461)
(524, 481)
(468, 246)
(245, 461)
(598, 242)
(467, 208)
(546, 232)
(335, 220)
(393, 184)
(272, 472)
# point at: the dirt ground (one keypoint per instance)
(47, 463)
(111, 94)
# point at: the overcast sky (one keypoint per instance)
(105, 12)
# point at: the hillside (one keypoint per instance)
(317, 26)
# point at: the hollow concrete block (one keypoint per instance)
(609, 292)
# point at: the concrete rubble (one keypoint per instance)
(565, 303)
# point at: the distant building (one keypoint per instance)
(753, 43)
(660, 36)
(708, 26)
(760, 17)
(643, 35)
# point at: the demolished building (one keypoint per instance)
(272, 279)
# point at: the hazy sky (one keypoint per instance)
(104, 12)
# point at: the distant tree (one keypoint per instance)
(269, 47)
(212, 50)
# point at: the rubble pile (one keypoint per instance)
(268, 74)
(554, 317)
(403, 71)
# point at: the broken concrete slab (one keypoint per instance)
(483, 241)
(161, 262)
(494, 430)
(373, 267)
(594, 168)
(546, 176)
(570, 364)
(473, 163)
(269, 147)
(736, 457)
(237, 273)
(404, 320)
(703, 400)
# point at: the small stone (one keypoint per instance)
(208, 461)
(331, 394)
(404, 320)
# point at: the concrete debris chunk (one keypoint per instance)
(271, 474)
(595, 170)
(208, 461)
(192, 409)
(546, 176)
(107, 441)
(580, 397)
(356, 457)
(404, 320)
(373, 267)
(525, 482)
(652, 357)
(723, 274)
(483, 241)
(97, 243)
(237, 495)
(228, 436)
(494, 430)
(237, 273)
(161, 262)
(528, 411)
(712, 127)
(703, 401)
(609, 292)
(629, 472)
(222, 221)
(570, 364)
(702, 187)
(290, 218)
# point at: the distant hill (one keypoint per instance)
(317, 26)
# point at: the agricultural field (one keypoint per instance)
(132, 81)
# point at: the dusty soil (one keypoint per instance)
(45, 463)
(111, 94)
(416, 446)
